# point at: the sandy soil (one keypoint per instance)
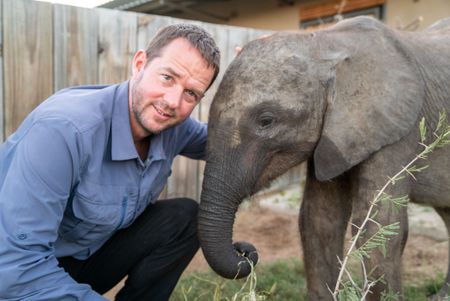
(275, 235)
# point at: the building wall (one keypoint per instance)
(266, 16)
(398, 13)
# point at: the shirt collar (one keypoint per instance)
(157, 151)
(122, 144)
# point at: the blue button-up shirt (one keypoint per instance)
(70, 176)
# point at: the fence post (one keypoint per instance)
(27, 58)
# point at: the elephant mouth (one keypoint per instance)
(278, 163)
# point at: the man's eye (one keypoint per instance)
(191, 95)
(166, 77)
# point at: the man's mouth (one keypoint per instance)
(162, 112)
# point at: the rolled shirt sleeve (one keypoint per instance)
(38, 173)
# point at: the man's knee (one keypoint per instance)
(184, 208)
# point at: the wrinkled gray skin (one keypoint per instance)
(348, 99)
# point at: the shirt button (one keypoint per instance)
(22, 236)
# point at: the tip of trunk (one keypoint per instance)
(238, 264)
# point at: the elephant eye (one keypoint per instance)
(266, 120)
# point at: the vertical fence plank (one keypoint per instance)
(118, 43)
(2, 115)
(184, 179)
(28, 58)
(76, 46)
(148, 25)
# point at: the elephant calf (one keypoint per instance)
(348, 99)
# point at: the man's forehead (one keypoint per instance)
(197, 81)
(177, 43)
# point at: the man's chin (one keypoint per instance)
(154, 131)
(158, 130)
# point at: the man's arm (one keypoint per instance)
(36, 185)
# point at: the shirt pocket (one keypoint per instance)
(95, 216)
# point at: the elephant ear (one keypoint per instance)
(374, 96)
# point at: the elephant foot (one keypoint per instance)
(440, 296)
(443, 293)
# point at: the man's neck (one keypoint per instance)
(142, 147)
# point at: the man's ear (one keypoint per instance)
(139, 62)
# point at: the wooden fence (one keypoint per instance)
(46, 47)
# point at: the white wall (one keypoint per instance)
(400, 13)
(269, 15)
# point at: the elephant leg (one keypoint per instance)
(385, 266)
(384, 263)
(324, 214)
(367, 179)
(445, 289)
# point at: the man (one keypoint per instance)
(80, 176)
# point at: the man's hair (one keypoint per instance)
(196, 35)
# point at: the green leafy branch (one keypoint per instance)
(349, 290)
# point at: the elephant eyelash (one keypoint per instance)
(266, 121)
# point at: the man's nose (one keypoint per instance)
(173, 97)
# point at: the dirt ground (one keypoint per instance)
(275, 235)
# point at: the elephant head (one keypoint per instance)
(332, 96)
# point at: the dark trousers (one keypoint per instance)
(153, 252)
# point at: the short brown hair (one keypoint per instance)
(197, 36)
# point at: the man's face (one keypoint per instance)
(164, 92)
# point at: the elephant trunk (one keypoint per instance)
(219, 202)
